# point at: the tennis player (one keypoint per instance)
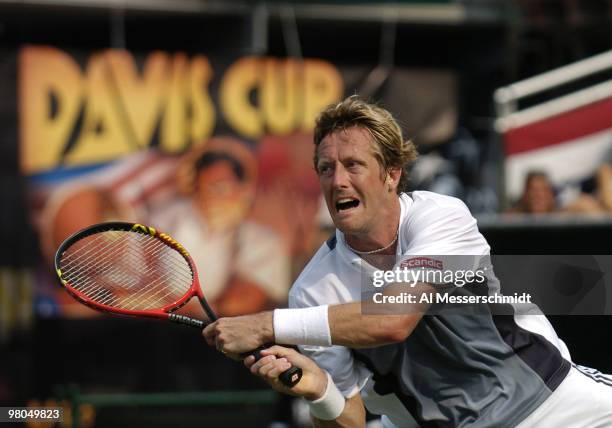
(445, 369)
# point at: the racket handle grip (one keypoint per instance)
(289, 377)
(191, 322)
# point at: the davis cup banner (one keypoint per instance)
(110, 106)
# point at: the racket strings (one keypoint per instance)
(126, 270)
(96, 249)
(159, 285)
(121, 275)
(153, 248)
(141, 297)
(150, 296)
(90, 263)
(82, 250)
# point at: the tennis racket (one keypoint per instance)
(131, 269)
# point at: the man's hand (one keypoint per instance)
(277, 359)
(312, 386)
(242, 334)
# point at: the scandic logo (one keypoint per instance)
(422, 262)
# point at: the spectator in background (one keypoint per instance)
(604, 186)
(538, 195)
(599, 198)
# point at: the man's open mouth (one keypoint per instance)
(346, 204)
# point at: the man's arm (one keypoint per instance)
(351, 328)
(344, 325)
(324, 399)
(353, 415)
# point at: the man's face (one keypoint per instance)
(352, 180)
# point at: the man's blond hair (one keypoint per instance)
(388, 146)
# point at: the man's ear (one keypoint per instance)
(393, 177)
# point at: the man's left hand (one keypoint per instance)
(238, 335)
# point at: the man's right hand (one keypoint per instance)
(238, 335)
(277, 359)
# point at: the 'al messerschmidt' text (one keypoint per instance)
(440, 298)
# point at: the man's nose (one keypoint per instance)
(341, 178)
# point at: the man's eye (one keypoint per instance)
(325, 169)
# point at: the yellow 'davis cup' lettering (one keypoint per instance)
(71, 115)
(110, 108)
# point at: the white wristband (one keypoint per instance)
(330, 405)
(304, 326)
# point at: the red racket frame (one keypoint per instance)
(165, 312)
(290, 377)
